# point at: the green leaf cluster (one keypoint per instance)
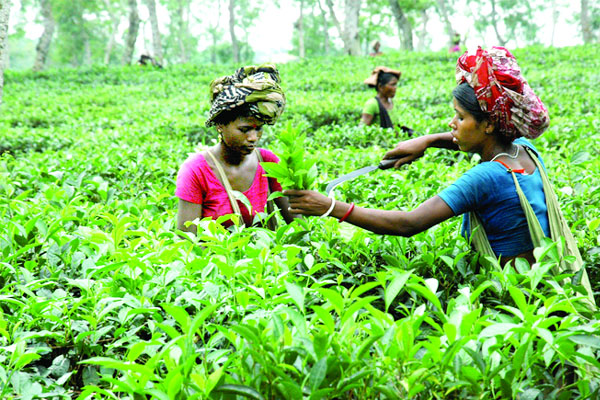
(296, 169)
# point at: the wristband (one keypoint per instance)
(347, 213)
(330, 208)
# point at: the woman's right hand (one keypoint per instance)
(408, 151)
(307, 202)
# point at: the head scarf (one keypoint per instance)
(256, 85)
(372, 80)
(503, 92)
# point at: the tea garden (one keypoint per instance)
(101, 298)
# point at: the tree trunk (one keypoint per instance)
(336, 22)
(351, 26)
(132, 31)
(443, 11)
(235, 48)
(87, 50)
(214, 34)
(114, 28)
(423, 33)
(4, 14)
(156, 44)
(325, 29)
(186, 15)
(404, 28)
(43, 45)
(586, 28)
(554, 21)
(349, 33)
(181, 32)
(495, 24)
(301, 31)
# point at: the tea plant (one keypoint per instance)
(100, 298)
(296, 169)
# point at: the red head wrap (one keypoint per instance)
(503, 92)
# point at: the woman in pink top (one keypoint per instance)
(240, 105)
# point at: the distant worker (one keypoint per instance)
(380, 109)
(375, 45)
(145, 60)
(455, 48)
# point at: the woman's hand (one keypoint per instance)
(408, 151)
(307, 202)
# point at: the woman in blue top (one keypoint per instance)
(494, 107)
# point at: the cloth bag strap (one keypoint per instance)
(384, 117)
(558, 226)
(225, 182)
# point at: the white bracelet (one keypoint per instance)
(330, 208)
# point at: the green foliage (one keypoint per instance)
(513, 21)
(101, 299)
(296, 169)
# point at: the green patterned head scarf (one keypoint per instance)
(258, 86)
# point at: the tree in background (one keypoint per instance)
(132, 31)
(43, 46)
(77, 33)
(180, 44)
(235, 48)
(4, 14)
(509, 19)
(404, 26)
(349, 32)
(586, 26)
(315, 35)
(113, 9)
(242, 14)
(423, 36)
(406, 14)
(374, 22)
(299, 27)
(442, 7)
(156, 40)
(589, 17)
(215, 32)
(324, 27)
(83, 32)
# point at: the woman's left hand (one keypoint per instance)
(307, 202)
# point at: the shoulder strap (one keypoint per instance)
(478, 237)
(225, 182)
(384, 117)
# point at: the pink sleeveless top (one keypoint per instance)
(197, 183)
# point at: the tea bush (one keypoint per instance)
(100, 297)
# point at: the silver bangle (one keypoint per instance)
(330, 208)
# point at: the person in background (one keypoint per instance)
(455, 48)
(206, 183)
(145, 60)
(495, 110)
(380, 109)
(376, 46)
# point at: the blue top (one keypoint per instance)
(489, 190)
